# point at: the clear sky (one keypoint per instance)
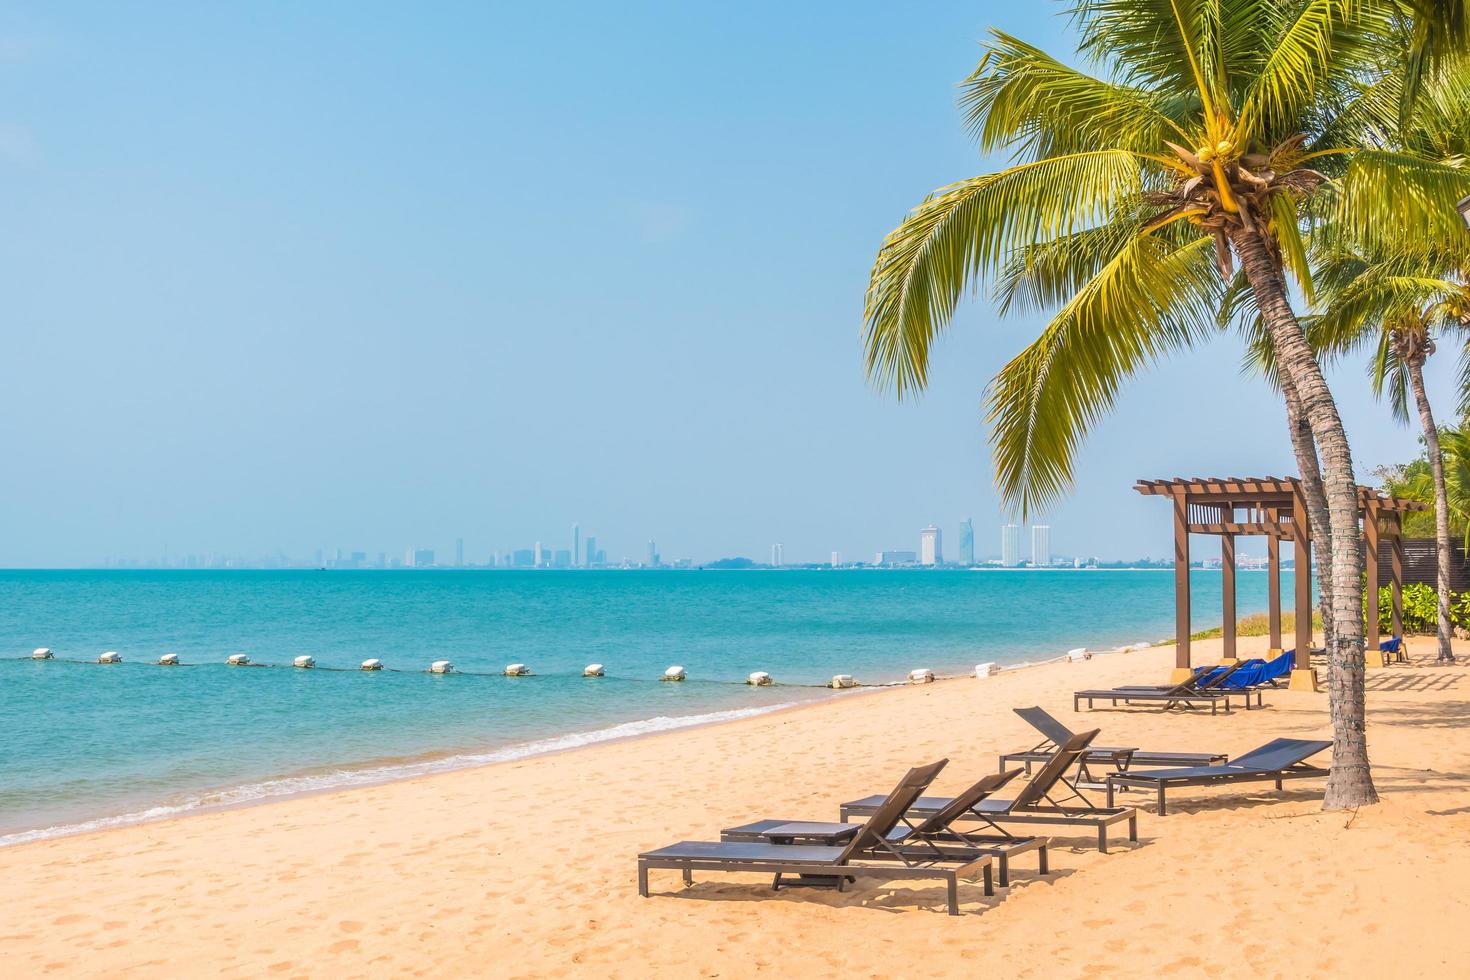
(368, 275)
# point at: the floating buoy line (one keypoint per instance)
(674, 673)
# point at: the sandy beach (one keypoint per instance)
(527, 869)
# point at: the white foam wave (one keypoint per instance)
(267, 789)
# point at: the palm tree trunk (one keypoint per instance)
(1311, 477)
(1441, 508)
(1350, 782)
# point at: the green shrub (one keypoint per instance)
(1421, 609)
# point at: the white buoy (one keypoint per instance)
(987, 670)
(238, 660)
(110, 657)
(41, 653)
(673, 674)
(168, 660)
(305, 660)
(1078, 655)
(372, 663)
(760, 679)
(922, 675)
(592, 670)
(441, 667)
(840, 681)
(517, 670)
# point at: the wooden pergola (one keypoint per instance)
(1275, 508)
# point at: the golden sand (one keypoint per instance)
(528, 868)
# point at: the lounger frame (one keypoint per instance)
(885, 871)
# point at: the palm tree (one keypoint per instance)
(1405, 304)
(1134, 194)
(1406, 294)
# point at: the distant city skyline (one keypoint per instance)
(584, 552)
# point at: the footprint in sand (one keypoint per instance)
(66, 920)
(348, 925)
(344, 946)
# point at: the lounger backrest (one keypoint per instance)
(1191, 685)
(1050, 774)
(1044, 723)
(1279, 754)
(960, 805)
(891, 810)
(1221, 676)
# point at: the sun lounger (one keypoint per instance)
(839, 864)
(1046, 799)
(1281, 759)
(1201, 688)
(930, 835)
(1122, 759)
(1218, 680)
(1257, 673)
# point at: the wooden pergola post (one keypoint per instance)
(1303, 677)
(1227, 595)
(1181, 586)
(1374, 657)
(1396, 552)
(1273, 588)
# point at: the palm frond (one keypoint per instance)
(1021, 98)
(1152, 298)
(963, 233)
(1387, 197)
(1299, 57)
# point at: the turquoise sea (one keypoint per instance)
(89, 744)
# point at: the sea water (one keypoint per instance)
(89, 745)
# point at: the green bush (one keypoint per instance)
(1421, 609)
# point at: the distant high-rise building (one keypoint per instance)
(1010, 545)
(778, 556)
(577, 544)
(895, 558)
(967, 541)
(931, 551)
(423, 557)
(591, 551)
(1040, 545)
(523, 557)
(541, 557)
(408, 557)
(459, 552)
(652, 555)
(561, 558)
(836, 559)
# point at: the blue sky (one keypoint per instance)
(289, 276)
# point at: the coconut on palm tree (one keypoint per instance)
(1136, 191)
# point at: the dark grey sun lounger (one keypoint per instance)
(1281, 759)
(1185, 695)
(1210, 680)
(858, 858)
(1119, 757)
(933, 833)
(1046, 799)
